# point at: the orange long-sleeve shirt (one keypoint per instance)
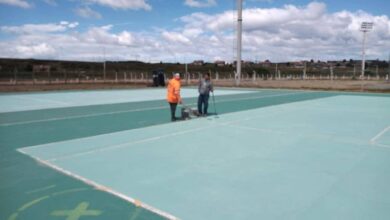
(173, 91)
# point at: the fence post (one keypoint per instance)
(49, 75)
(15, 76)
(331, 72)
(33, 77)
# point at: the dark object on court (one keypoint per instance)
(161, 78)
(185, 113)
(155, 78)
(188, 113)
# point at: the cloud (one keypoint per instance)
(294, 33)
(175, 37)
(123, 4)
(37, 50)
(200, 3)
(40, 28)
(17, 3)
(279, 34)
(87, 12)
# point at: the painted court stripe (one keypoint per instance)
(157, 125)
(382, 145)
(340, 139)
(42, 100)
(127, 144)
(103, 188)
(112, 147)
(41, 189)
(138, 110)
(374, 139)
(81, 116)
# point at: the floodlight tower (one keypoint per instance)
(239, 41)
(365, 27)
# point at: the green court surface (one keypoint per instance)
(268, 154)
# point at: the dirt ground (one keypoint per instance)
(29, 87)
(338, 85)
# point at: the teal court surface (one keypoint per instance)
(268, 154)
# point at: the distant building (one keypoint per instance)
(41, 68)
(235, 63)
(198, 62)
(266, 63)
(220, 63)
(338, 64)
(298, 64)
(319, 65)
(248, 63)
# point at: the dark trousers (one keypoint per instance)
(173, 110)
(203, 101)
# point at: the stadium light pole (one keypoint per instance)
(388, 63)
(365, 27)
(239, 41)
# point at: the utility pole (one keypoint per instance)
(187, 75)
(239, 41)
(104, 64)
(388, 65)
(276, 71)
(365, 27)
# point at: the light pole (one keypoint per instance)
(239, 41)
(365, 27)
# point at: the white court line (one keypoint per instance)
(43, 100)
(81, 116)
(374, 139)
(137, 110)
(157, 125)
(102, 187)
(381, 145)
(127, 144)
(118, 146)
(255, 129)
(125, 131)
(109, 190)
(340, 139)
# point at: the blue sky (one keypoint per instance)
(189, 29)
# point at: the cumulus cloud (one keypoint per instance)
(87, 12)
(200, 3)
(39, 28)
(123, 4)
(17, 3)
(37, 50)
(293, 32)
(175, 37)
(102, 35)
(278, 34)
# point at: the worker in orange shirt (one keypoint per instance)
(173, 94)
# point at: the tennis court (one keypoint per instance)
(268, 154)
